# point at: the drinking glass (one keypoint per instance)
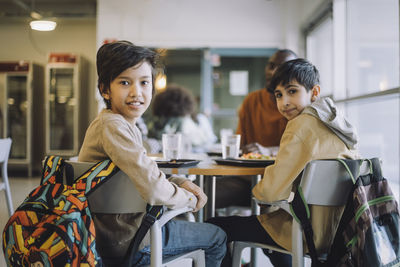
(230, 146)
(172, 146)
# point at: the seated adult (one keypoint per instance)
(261, 127)
(260, 123)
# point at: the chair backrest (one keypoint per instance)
(327, 182)
(117, 195)
(5, 147)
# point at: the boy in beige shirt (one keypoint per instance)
(125, 80)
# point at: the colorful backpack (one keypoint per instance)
(53, 226)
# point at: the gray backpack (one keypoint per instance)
(368, 232)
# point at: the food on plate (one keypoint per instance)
(253, 155)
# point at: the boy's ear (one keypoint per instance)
(315, 92)
(104, 92)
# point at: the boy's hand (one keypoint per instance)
(201, 197)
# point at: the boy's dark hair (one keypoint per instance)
(175, 101)
(299, 70)
(114, 58)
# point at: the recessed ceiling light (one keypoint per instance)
(43, 25)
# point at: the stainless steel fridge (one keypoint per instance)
(22, 112)
(66, 101)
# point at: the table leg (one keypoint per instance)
(210, 185)
(255, 210)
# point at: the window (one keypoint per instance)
(361, 44)
(320, 42)
(372, 46)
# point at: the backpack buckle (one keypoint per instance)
(149, 219)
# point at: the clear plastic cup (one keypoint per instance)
(172, 146)
(230, 146)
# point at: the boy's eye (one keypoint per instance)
(278, 95)
(292, 91)
(124, 82)
(145, 82)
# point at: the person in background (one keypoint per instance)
(260, 126)
(260, 123)
(125, 79)
(172, 113)
(203, 120)
(315, 130)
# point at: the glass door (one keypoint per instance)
(61, 109)
(229, 75)
(17, 121)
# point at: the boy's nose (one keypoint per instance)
(285, 101)
(135, 90)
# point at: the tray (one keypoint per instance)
(213, 154)
(217, 154)
(177, 163)
(245, 162)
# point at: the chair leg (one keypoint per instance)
(297, 245)
(237, 253)
(199, 259)
(7, 189)
(156, 245)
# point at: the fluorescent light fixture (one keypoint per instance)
(43, 25)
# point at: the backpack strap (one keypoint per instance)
(153, 213)
(52, 170)
(301, 213)
(99, 173)
(352, 167)
(95, 176)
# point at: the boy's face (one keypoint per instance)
(131, 92)
(292, 98)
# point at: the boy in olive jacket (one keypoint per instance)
(316, 130)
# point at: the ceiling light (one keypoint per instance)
(161, 82)
(43, 25)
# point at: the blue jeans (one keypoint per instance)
(183, 236)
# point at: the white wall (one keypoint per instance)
(18, 42)
(162, 23)
(206, 23)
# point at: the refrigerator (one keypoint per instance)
(66, 98)
(22, 113)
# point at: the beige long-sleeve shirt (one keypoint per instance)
(111, 136)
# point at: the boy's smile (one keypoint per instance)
(292, 98)
(131, 92)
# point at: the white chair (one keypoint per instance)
(5, 147)
(324, 183)
(128, 200)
